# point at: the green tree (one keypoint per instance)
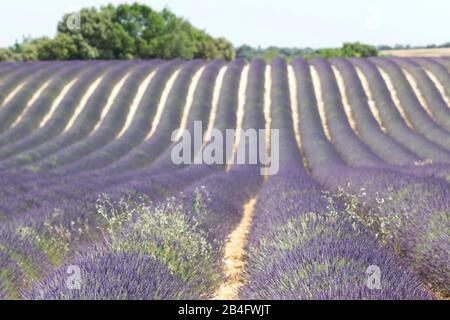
(176, 41)
(100, 32)
(174, 45)
(143, 24)
(128, 31)
(25, 50)
(357, 49)
(225, 49)
(136, 31)
(6, 55)
(65, 47)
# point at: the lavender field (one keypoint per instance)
(92, 205)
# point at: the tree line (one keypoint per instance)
(136, 31)
(349, 49)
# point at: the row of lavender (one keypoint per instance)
(156, 185)
(227, 191)
(311, 244)
(86, 152)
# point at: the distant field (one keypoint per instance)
(437, 52)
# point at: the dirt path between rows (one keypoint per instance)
(234, 256)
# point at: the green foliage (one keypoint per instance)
(53, 237)
(6, 55)
(100, 31)
(128, 31)
(225, 49)
(358, 50)
(25, 50)
(164, 232)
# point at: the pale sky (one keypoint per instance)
(289, 23)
